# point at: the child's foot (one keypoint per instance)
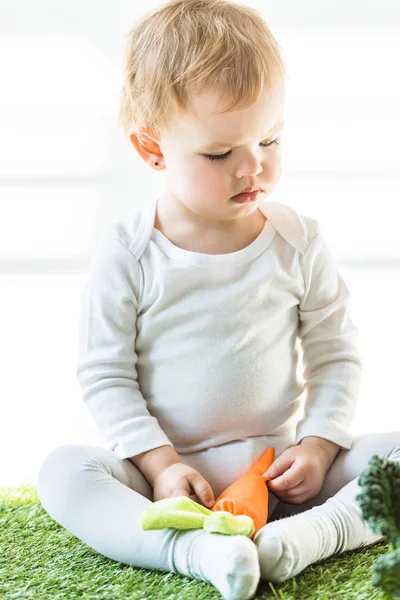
(229, 562)
(287, 546)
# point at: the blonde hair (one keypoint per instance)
(188, 47)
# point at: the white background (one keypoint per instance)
(66, 171)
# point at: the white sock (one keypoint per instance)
(287, 546)
(229, 562)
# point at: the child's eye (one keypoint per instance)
(223, 156)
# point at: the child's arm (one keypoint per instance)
(152, 462)
(107, 357)
(330, 355)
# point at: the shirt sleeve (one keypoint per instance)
(331, 363)
(106, 369)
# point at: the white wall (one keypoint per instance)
(66, 171)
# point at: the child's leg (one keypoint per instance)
(99, 497)
(330, 523)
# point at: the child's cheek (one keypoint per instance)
(214, 180)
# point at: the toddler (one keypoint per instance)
(195, 314)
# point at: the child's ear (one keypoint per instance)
(147, 147)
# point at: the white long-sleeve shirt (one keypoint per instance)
(195, 350)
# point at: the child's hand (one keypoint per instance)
(298, 474)
(181, 480)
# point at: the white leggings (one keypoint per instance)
(98, 497)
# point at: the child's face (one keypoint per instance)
(206, 187)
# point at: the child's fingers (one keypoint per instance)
(288, 481)
(202, 489)
(290, 497)
(281, 464)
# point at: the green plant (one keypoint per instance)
(380, 505)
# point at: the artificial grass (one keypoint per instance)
(41, 560)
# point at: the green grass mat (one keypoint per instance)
(41, 560)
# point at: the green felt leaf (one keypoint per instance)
(183, 513)
(180, 512)
(176, 519)
(177, 503)
(222, 521)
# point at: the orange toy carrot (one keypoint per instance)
(248, 495)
